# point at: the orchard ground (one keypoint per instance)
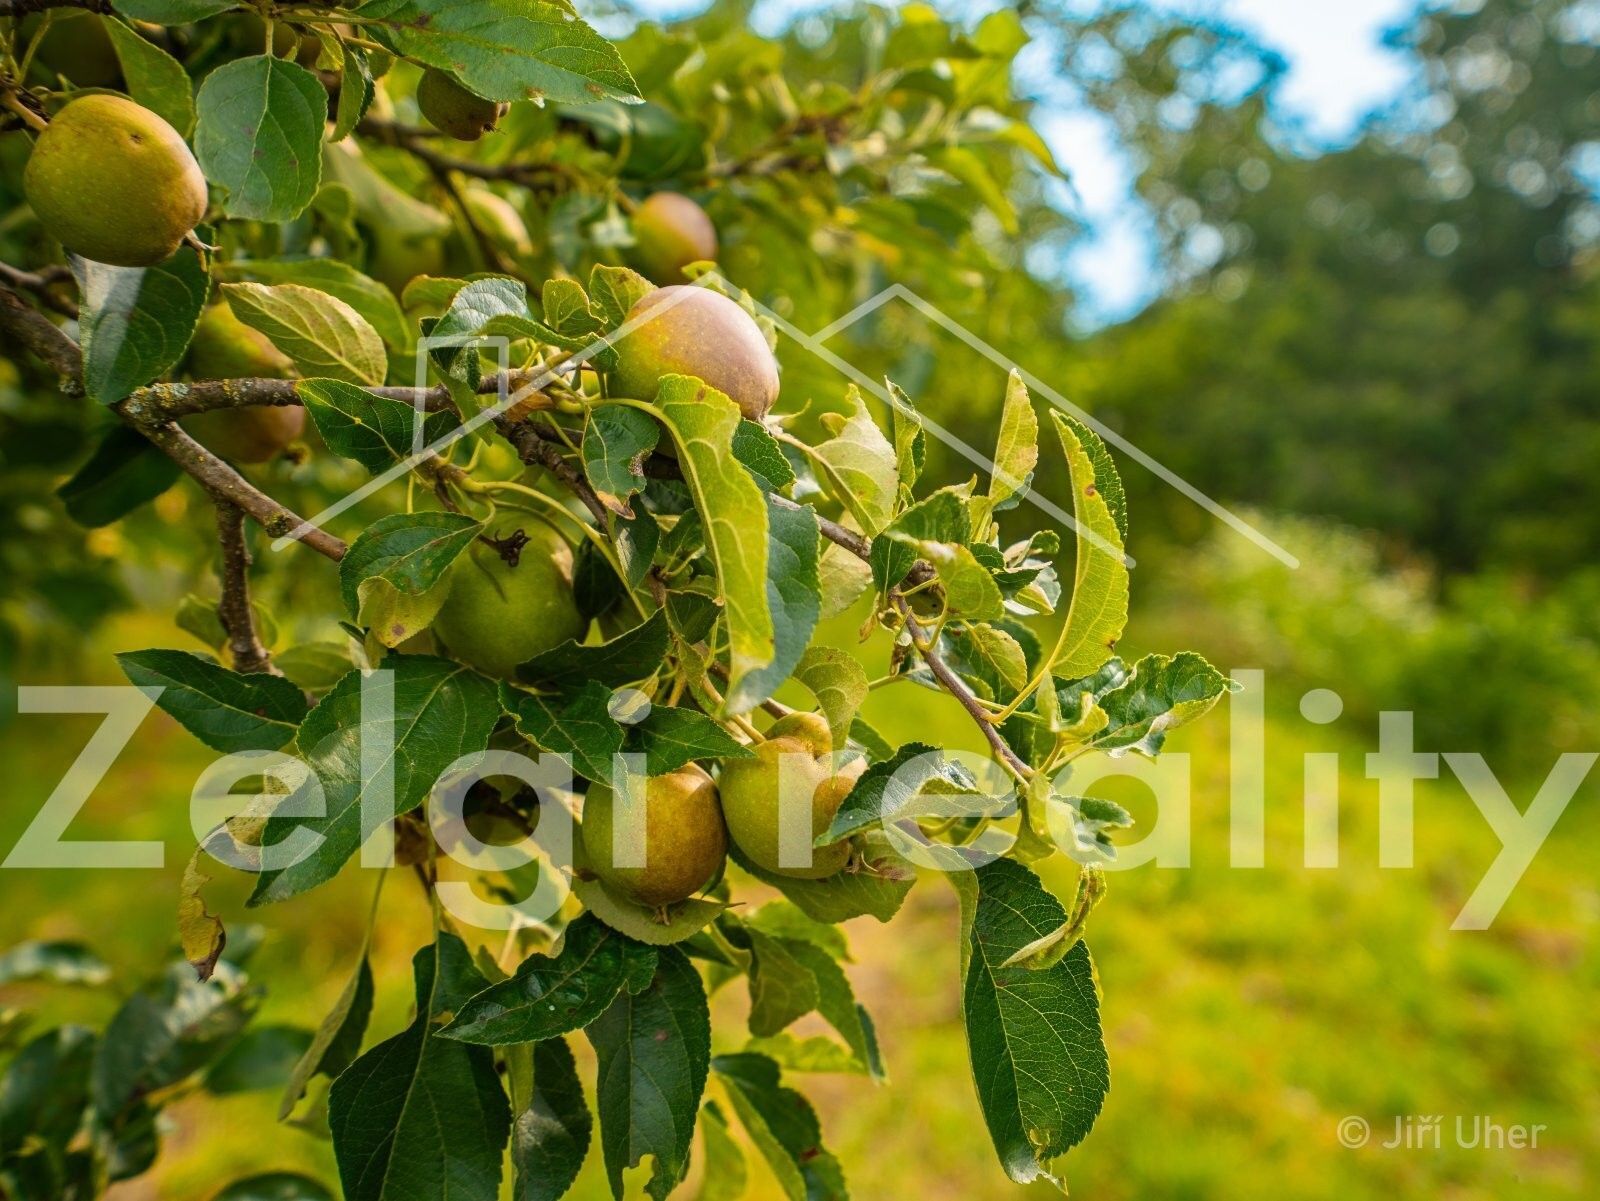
(1256, 1009)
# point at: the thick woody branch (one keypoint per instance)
(223, 483)
(33, 330)
(37, 333)
(168, 402)
(42, 284)
(238, 619)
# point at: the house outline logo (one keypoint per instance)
(814, 343)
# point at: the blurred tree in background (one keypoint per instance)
(1403, 335)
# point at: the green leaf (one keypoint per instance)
(124, 471)
(155, 79)
(762, 456)
(551, 995)
(356, 93)
(551, 1134)
(670, 737)
(989, 655)
(275, 1186)
(226, 710)
(375, 431)
(654, 1049)
(1100, 584)
(970, 590)
(1157, 696)
(362, 293)
(1016, 452)
(167, 1033)
(263, 1058)
(782, 989)
(616, 442)
(508, 49)
(259, 136)
(134, 322)
(908, 785)
(794, 599)
(44, 1091)
(657, 928)
(392, 577)
(631, 655)
(726, 1177)
(1033, 1034)
(419, 1115)
(702, 422)
(839, 683)
(910, 440)
(314, 667)
(860, 466)
(783, 1127)
(60, 962)
(337, 1040)
(878, 889)
(613, 291)
(321, 333)
(441, 711)
(172, 12)
(576, 724)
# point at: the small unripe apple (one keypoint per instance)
(453, 109)
(114, 182)
(499, 221)
(671, 231)
(497, 616)
(685, 330)
(684, 845)
(798, 752)
(223, 347)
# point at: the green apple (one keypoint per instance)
(685, 840)
(798, 751)
(115, 183)
(497, 616)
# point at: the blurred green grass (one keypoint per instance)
(1247, 1011)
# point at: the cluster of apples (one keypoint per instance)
(497, 614)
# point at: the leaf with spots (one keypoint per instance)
(506, 49)
(393, 576)
(784, 1128)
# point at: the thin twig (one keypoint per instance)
(957, 687)
(536, 448)
(238, 618)
(41, 283)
